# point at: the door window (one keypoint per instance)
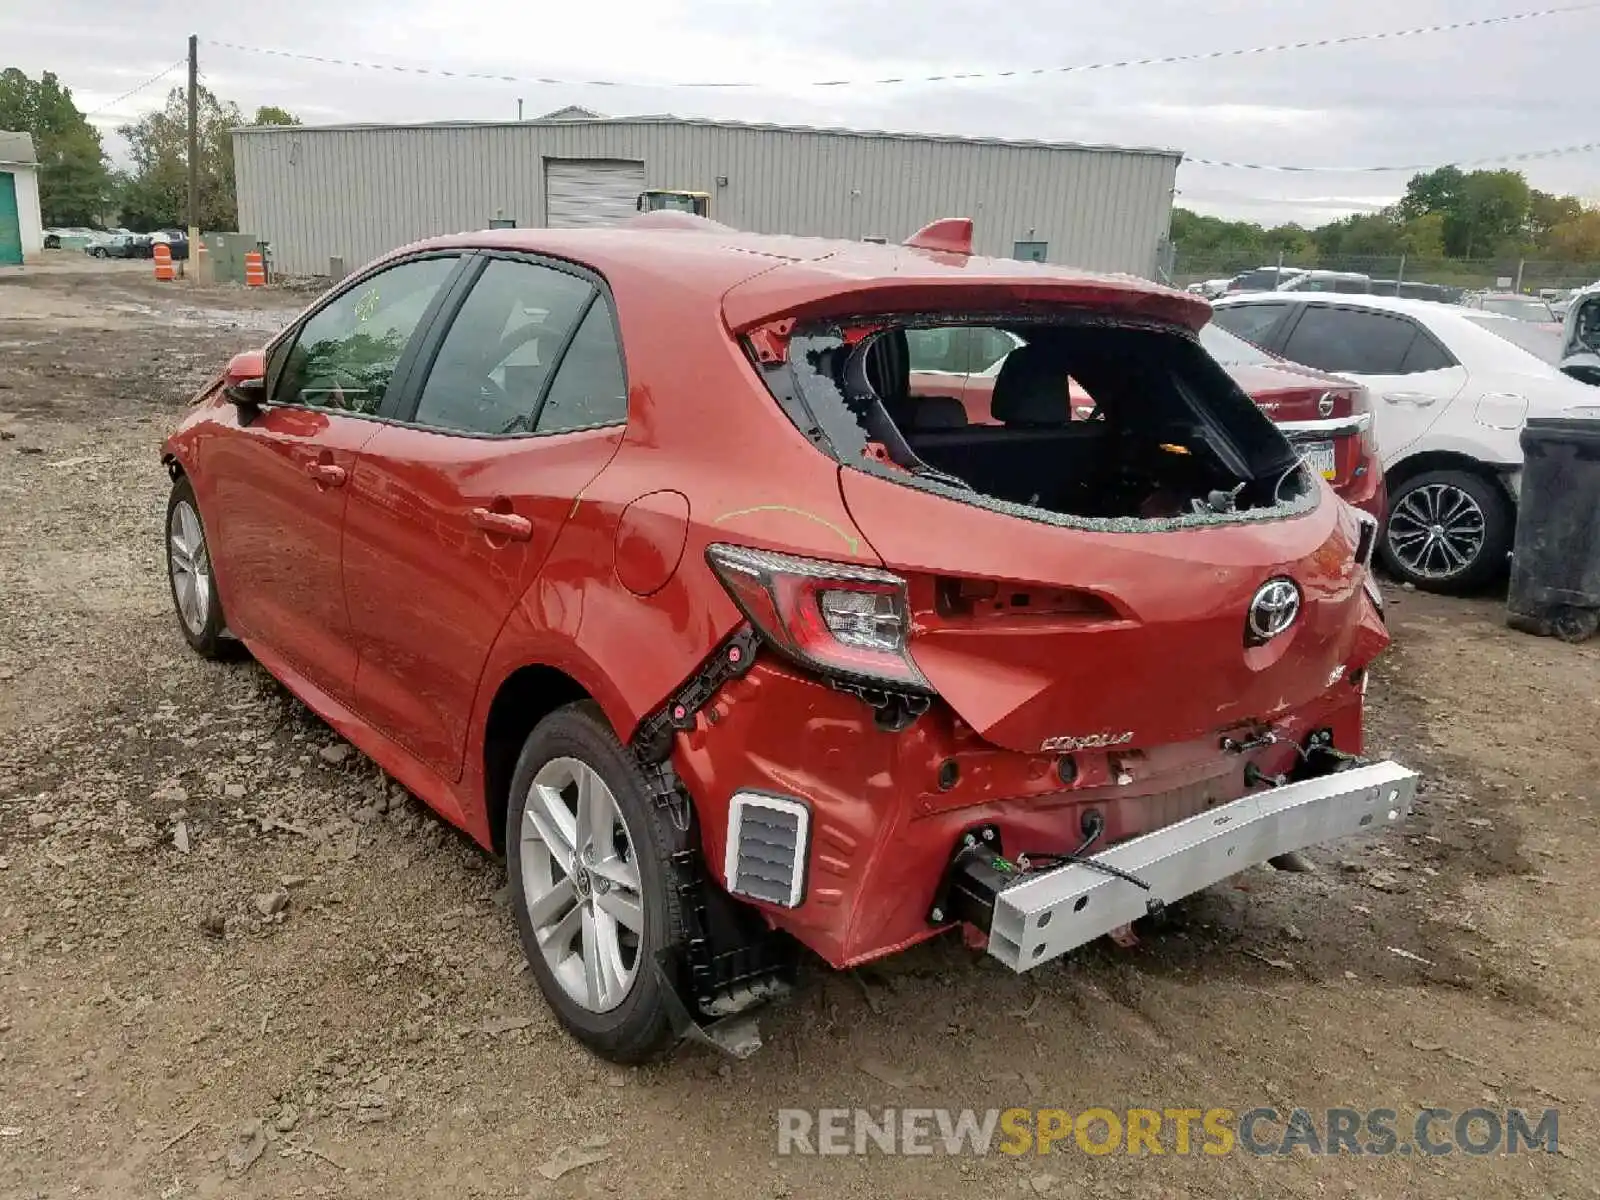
(1253, 322)
(1350, 340)
(589, 388)
(494, 362)
(345, 355)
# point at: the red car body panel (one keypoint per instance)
(282, 528)
(1022, 676)
(410, 518)
(423, 612)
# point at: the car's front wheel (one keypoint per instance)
(588, 854)
(194, 585)
(1448, 531)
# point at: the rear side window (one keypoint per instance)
(945, 350)
(989, 346)
(1350, 340)
(589, 387)
(957, 349)
(1232, 350)
(494, 363)
(1426, 355)
(1253, 322)
(345, 355)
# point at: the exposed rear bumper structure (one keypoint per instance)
(1042, 916)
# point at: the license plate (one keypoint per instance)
(1319, 457)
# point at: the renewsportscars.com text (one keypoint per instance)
(1431, 1132)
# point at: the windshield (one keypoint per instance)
(1522, 309)
(1231, 350)
(1543, 344)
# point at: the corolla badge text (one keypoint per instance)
(1088, 741)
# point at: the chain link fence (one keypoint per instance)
(1387, 272)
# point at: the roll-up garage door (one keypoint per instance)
(587, 191)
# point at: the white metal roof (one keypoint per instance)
(17, 149)
(704, 122)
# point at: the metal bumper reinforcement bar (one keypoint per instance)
(1042, 916)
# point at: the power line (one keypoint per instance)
(1525, 156)
(105, 108)
(1164, 60)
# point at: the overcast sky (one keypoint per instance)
(1447, 97)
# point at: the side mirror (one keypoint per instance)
(1584, 367)
(245, 380)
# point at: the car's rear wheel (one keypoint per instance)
(589, 864)
(1447, 531)
(194, 587)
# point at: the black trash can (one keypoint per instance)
(1555, 565)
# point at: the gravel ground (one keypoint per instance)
(235, 960)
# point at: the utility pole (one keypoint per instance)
(194, 147)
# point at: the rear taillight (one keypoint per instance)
(1361, 409)
(836, 618)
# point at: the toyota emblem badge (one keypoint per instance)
(1272, 610)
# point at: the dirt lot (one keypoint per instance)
(160, 1037)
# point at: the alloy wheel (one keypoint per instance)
(190, 565)
(580, 878)
(1437, 531)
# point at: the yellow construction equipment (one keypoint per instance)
(674, 200)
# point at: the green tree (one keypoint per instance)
(1423, 237)
(1578, 240)
(1292, 241)
(1546, 212)
(271, 114)
(157, 191)
(74, 183)
(1433, 191)
(1490, 216)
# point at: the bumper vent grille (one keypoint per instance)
(767, 848)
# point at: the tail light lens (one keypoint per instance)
(1361, 404)
(836, 618)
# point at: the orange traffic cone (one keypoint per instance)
(255, 270)
(163, 257)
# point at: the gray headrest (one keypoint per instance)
(1031, 388)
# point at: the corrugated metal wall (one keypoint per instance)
(359, 191)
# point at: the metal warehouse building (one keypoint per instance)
(353, 192)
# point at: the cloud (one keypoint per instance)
(1425, 100)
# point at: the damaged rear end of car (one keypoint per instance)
(1091, 659)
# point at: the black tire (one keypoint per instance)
(641, 1027)
(98, 252)
(208, 637)
(1410, 502)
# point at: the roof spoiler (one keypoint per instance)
(952, 235)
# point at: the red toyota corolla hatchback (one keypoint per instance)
(632, 553)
